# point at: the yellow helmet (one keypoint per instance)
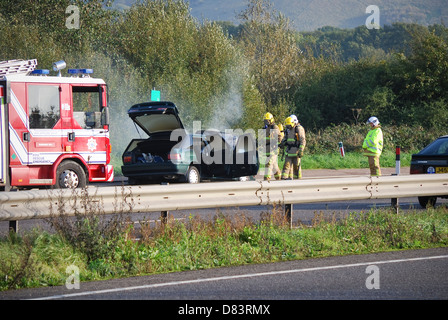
(268, 116)
(289, 122)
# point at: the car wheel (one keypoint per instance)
(70, 175)
(427, 201)
(193, 175)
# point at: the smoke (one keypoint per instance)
(228, 109)
(126, 87)
(226, 114)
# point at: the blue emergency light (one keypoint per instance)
(80, 71)
(41, 71)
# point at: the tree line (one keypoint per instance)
(228, 76)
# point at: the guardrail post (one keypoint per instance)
(164, 217)
(289, 213)
(395, 205)
(394, 201)
(14, 226)
(164, 214)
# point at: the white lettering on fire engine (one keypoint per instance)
(65, 106)
(39, 159)
(91, 144)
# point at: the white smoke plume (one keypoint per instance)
(228, 109)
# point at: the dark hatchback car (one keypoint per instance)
(170, 153)
(432, 159)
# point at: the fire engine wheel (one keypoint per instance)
(193, 175)
(70, 175)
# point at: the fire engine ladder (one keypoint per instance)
(17, 66)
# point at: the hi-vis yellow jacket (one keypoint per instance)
(373, 143)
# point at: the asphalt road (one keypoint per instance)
(402, 275)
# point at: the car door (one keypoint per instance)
(245, 157)
(214, 154)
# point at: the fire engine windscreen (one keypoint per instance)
(87, 109)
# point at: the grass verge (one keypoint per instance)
(351, 160)
(41, 259)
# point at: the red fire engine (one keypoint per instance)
(54, 130)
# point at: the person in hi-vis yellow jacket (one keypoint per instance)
(373, 146)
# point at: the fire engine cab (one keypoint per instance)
(54, 130)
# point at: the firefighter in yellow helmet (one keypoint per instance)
(294, 144)
(272, 139)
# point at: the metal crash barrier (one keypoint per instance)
(39, 204)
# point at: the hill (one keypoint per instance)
(308, 15)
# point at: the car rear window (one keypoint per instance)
(438, 147)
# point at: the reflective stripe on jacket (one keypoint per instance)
(273, 138)
(373, 143)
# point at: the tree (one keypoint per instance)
(270, 45)
(195, 65)
(423, 88)
(49, 17)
